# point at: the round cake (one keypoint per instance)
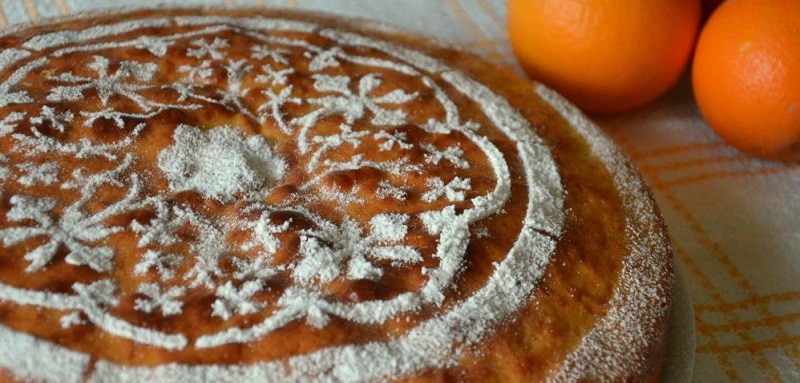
(243, 195)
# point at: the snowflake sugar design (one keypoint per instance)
(352, 250)
(201, 48)
(127, 81)
(166, 302)
(180, 248)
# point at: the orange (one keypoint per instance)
(605, 55)
(746, 76)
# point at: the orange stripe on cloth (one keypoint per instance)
(745, 329)
(724, 175)
(679, 149)
(775, 322)
(760, 305)
(33, 12)
(696, 272)
(749, 303)
(753, 347)
(63, 7)
(723, 359)
(3, 19)
(690, 163)
(496, 19)
(484, 42)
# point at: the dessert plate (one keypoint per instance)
(680, 353)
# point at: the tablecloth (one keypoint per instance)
(733, 219)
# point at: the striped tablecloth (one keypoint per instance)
(734, 220)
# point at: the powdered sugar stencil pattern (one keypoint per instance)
(226, 164)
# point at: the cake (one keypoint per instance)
(251, 195)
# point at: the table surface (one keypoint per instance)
(733, 219)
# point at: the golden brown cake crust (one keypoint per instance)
(271, 195)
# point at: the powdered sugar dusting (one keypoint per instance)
(226, 165)
(618, 344)
(27, 357)
(219, 163)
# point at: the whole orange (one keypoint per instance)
(605, 55)
(746, 76)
